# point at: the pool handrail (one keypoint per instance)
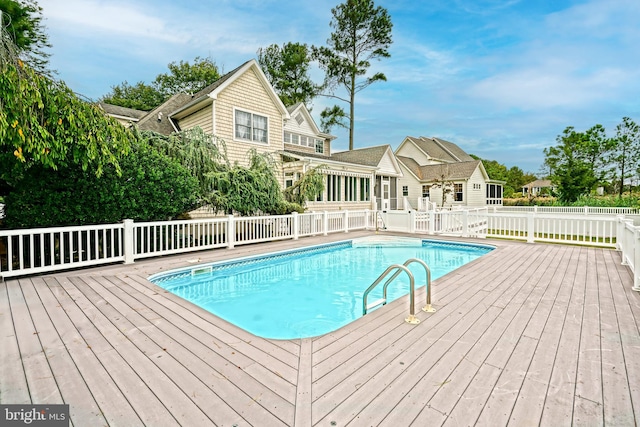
(412, 319)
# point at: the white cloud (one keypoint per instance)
(109, 19)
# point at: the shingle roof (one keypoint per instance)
(440, 149)
(305, 154)
(122, 111)
(158, 119)
(369, 156)
(207, 90)
(540, 183)
(450, 171)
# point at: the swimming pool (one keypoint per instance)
(310, 291)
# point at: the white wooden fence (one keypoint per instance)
(33, 251)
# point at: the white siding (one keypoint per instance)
(202, 118)
(408, 149)
(386, 165)
(247, 94)
(415, 187)
(475, 197)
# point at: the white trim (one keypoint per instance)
(251, 141)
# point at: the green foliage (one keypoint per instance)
(627, 151)
(42, 122)
(287, 69)
(139, 97)
(583, 160)
(23, 23)
(361, 33)
(310, 184)
(247, 191)
(333, 116)
(200, 153)
(150, 187)
(570, 170)
(182, 77)
(514, 177)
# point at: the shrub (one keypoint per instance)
(151, 187)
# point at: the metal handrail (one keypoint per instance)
(412, 318)
(427, 308)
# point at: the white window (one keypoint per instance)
(287, 137)
(425, 190)
(251, 127)
(405, 190)
(319, 146)
(457, 189)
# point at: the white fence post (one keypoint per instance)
(231, 232)
(620, 233)
(636, 259)
(128, 240)
(296, 225)
(465, 223)
(346, 221)
(412, 221)
(325, 223)
(531, 226)
(432, 222)
(366, 219)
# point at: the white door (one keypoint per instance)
(386, 190)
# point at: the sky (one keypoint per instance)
(500, 78)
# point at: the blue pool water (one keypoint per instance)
(313, 291)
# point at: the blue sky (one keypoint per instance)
(500, 78)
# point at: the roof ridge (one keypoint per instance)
(437, 141)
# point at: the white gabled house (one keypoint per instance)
(440, 172)
(243, 110)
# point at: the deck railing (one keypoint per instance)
(39, 250)
(33, 251)
(584, 210)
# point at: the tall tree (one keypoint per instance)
(627, 150)
(139, 97)
(22, 20)
(568, 165)
(186, 77)
(361, 33)
(182, 77)
(287, 69)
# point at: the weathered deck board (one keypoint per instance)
(13, 383)
(105, 389)
(72, 386)
(530, 334)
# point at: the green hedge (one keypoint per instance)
(151, 187)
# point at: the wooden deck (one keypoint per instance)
(528, 335)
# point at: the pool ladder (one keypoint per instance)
(412, 319)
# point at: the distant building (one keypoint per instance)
(537, 187)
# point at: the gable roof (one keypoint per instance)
(450, 171)
(300, 108)
(540, 183)
(369, 156)
(322, 159)
(122, 112)
(158, 120)
(440, 149)
(209, 93)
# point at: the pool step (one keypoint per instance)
(376, 303)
